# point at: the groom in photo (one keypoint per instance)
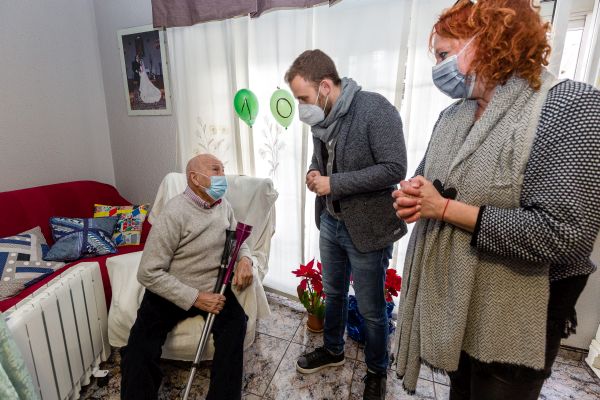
(135, 66)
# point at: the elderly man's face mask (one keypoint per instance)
(218, 182)
(217, 187)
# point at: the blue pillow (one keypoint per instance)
(21, 262)
(76, 238)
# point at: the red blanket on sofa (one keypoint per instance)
(24, 209)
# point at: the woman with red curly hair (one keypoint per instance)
(506, 208)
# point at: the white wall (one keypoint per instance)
(143, 147)
(53, 123)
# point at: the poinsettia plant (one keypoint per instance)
(310, 289)
(393, 283)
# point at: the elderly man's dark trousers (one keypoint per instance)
(140, 370)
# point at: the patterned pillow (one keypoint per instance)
(81, 237)
(128, 231)
(21, 262)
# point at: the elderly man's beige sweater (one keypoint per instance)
(183, 251)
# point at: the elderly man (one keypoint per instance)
(179, 269)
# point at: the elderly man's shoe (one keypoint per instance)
(318, 359)
(374, 386)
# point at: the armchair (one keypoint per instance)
(253, 202)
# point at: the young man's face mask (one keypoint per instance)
(312, 114)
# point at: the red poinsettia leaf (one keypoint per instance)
(303, 284)
(392, 279)
(310, 264)
(318, 286)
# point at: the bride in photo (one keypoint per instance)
(148, 92)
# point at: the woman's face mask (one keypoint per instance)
(312, 114)
(450, 81)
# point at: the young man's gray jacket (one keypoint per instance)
(370, 158)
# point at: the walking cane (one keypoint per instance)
(242, 232)
(229, 244)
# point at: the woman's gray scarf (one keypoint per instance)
(327, 129)
(455, 298)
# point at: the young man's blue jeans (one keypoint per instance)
(340, 259)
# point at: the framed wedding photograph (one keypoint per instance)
(144, 68)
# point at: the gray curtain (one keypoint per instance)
(171, 13)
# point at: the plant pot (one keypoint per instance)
(314, 323)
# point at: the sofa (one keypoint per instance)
(27, 208)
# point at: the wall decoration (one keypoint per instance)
(144, 67)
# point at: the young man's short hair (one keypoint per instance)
(314, 66)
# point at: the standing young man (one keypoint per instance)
(359, 157)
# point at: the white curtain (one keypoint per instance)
(422, 102)
(374, 42)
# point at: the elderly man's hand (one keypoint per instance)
(210, 302)
(243, 274)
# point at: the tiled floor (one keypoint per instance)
(270, 369)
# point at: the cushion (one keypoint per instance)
(128, 231)
(81, 237)
(21, 262)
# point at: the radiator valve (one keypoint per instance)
(102, 377)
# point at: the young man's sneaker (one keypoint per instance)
(318, 359)
(374, 386)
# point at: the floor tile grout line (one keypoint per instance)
(280, 361)
(275, 337)
(352, 379)
(277, 369)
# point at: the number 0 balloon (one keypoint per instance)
(245, 104)
(283, 107)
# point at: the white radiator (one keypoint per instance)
(62, 331)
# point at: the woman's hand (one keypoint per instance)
(407, 207)
(418, 198)
(431, 201)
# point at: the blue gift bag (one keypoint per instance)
(356, 323)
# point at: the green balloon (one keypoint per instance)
(283, 107)
(246, 106)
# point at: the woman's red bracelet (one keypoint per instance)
(445, 207)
